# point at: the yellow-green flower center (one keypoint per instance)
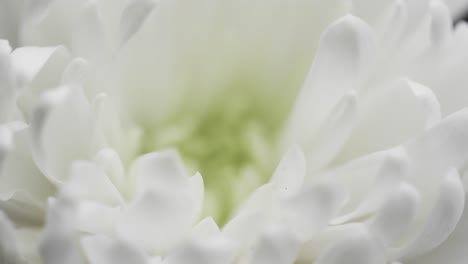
(233, 143)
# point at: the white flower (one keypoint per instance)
(264, 131)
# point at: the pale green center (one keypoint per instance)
(233, 144)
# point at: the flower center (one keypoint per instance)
(232, 143)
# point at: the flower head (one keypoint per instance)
(282, 132)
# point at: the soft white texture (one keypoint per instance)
(355, 111)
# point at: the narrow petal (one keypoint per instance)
(290, 173)
(346, 49)
(333, 133)
(7, 91)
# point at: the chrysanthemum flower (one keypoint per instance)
(266, 131)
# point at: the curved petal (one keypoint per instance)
(355, 248)
(312, 208)
(7, 91)
(59, 241)
(159, 169)
(9, 252)
(418, 109)
(289, 175)
(276, 245)
(443, 218)
(157, 220)
(346, 49)
(59, 139)
(133, 16)
(453, 249)
(208, 251)
(104, 250)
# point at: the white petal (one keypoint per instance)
(96, 218)
(290, 173)
(417, 110)
(39, 75)
(18, 171)
(89, 182)
(7, 91)
(443, 218)
(396, 214)
(206, 228)
(109, 161)
(333, 133)
(358, 248)
(159, 169)
(209, 251)
(457, 7)
(9, 252)
(76, 24)
(345, 51)
(28, 240)
(390, 26)
(62, 131)
(133, 16)
(369, 180)
(276, 245)
(198, 190)
(245, 228)
(441, 23)
(311, 209)
(59, 242)
(29, 61)
(104, 250)
(453, 250)
(443, 146)
(10, 19)
(157, 220)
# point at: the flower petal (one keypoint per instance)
(395, 215)
(7, 91)
(355, 248)
(9, 252)
(58, 139)
(418, 109)
(158, 169)
(276, 245)
(346, 49)
(289, 175)
(89, 182)
(100, 249)
(133, 16)
(157, 220)
(453, 250)
(59, 239)
(208, 251)
(443, 218)
(312, 207)
(333, 133)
